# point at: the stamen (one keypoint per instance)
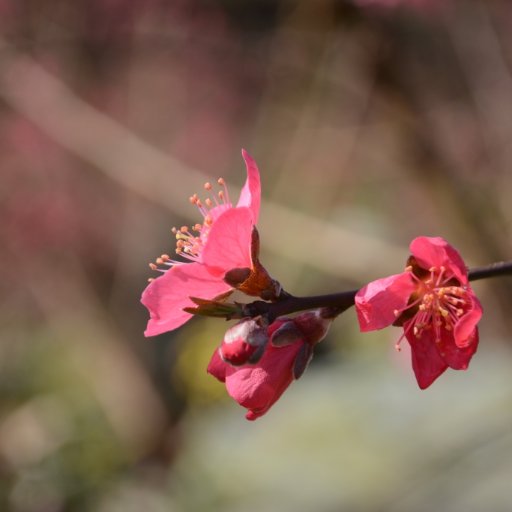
(225, 195)
(438, 307)
(443, 311)
(190, 241)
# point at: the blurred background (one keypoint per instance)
(372, 121)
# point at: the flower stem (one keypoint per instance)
(339, 302)
(502, 268)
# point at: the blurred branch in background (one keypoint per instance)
(125, 158)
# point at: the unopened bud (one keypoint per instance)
(245, 342)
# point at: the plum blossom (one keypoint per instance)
(245, 342)
(433, 301)
(222, 254)
(288, 348)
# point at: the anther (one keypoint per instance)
(221, 182)
(152, 266)
(207, 186)
(208, 202)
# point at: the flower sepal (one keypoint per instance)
(255, 281)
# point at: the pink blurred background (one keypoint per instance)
(372, 122)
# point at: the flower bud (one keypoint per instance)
(245, 342)
(259, 384)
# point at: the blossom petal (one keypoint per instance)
(437, 252)
(251, 192)
(258, 387)
(456, 357)
(426, 360)
(229, 241)
(166, 296)
(466, 326)
(377, 301)
(217, 367)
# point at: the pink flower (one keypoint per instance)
(434, 303)
(225, 243)
(245, 342)
(258, 386)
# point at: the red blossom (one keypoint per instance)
(245, 342)
(434, 303)
(258, 385)
(224, 245)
